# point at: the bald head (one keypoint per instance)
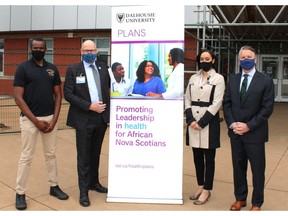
(88, 46)
(89, 51)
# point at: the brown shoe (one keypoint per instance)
(238, 205)
(255, 208)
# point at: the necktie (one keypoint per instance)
(244, 87)
(97, 81)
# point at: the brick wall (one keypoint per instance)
(15, 53)
(66, 51)
(190, 53)
(6, 87)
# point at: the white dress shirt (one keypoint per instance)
(91, 82)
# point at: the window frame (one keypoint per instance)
(105, 51)
(49, 52)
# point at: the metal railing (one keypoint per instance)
(9, 115)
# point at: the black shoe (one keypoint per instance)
(20, 202)
(99, 188)
(84, 200)
(57, 192)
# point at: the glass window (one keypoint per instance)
(49, 52)
(103, 43)
(103, 46)
(132, 55)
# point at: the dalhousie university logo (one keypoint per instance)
(120, 17)
(50, 72)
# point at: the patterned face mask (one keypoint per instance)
(89, 57)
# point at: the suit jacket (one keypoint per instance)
(77, 94)
(254, 110)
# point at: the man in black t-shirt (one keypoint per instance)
(37, 93)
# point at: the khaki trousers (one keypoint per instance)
(29, 133)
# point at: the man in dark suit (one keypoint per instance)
(246, 111)
(89, 98)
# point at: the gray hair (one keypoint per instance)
(246, 47)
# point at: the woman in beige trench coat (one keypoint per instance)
(203, 99)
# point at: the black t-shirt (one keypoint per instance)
(38, 83)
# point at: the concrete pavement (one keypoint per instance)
(38, 198)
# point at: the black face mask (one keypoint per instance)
(37, 54)
(206, 66)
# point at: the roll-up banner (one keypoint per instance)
(146, 132)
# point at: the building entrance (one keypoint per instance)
(276, 66)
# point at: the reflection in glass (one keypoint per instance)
(270, 66)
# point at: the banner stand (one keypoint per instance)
(146, 133)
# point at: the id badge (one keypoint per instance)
(80, 80)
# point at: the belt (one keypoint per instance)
(200, 103)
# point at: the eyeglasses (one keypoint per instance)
(250, 57)
(89, 51)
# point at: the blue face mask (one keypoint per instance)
(247, 64)
(89, 57)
